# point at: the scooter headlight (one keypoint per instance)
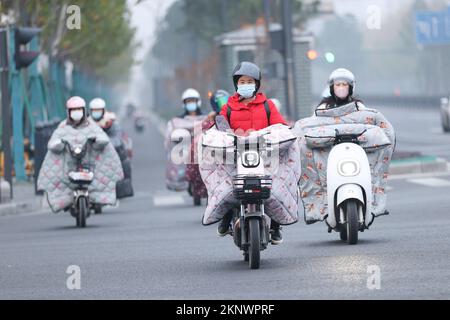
(348, 168)
(77, 150)
(250, 159)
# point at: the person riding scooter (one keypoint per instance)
(180, 131)
(249, 110)
(343, 118)
(197, 187)
(79, 130)
(107, 121)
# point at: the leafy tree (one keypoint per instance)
(105, 32)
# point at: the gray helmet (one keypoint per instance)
(248, 69)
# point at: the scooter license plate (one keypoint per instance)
(252, 183)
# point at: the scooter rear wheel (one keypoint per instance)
(97, 209)
(343, 232)
(246, 257)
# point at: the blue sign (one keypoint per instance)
(433, 27)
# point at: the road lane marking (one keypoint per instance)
(431, 182)
(160, 201)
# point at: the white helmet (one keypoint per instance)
(76, 116)
(97, 108)
(191, 94)
(75, 103)
(97, 103)
(342, 74)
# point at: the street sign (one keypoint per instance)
(433, 27)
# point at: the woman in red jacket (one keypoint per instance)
(249, 110)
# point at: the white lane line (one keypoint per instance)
(388, 188)
(160, 201)
(431, 182)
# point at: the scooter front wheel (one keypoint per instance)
(254, 249)
(352, 222)
(82, 212)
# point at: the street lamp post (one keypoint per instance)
(6, 109)
(289, 59)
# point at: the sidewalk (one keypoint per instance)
(24, 200)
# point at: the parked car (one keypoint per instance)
(445, 113)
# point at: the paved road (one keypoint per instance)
(154, 247)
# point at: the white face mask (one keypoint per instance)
(341, 92)
(76, 115)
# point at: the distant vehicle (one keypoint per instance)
(445, 113)
(130, 109)
(139, 122)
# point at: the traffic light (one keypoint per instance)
(329, 56)
(312, 54)
(22, 37)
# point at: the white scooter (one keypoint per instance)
(349, 188)
(252, 187)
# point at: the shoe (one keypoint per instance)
(275, 234)
(224, 227)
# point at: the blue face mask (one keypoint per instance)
(191, 106)
(97, 115)
(246, 90)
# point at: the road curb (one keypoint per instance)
(418, 165)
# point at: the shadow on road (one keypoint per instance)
(73, 227)
(337, 242)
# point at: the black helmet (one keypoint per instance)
(248, 69)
